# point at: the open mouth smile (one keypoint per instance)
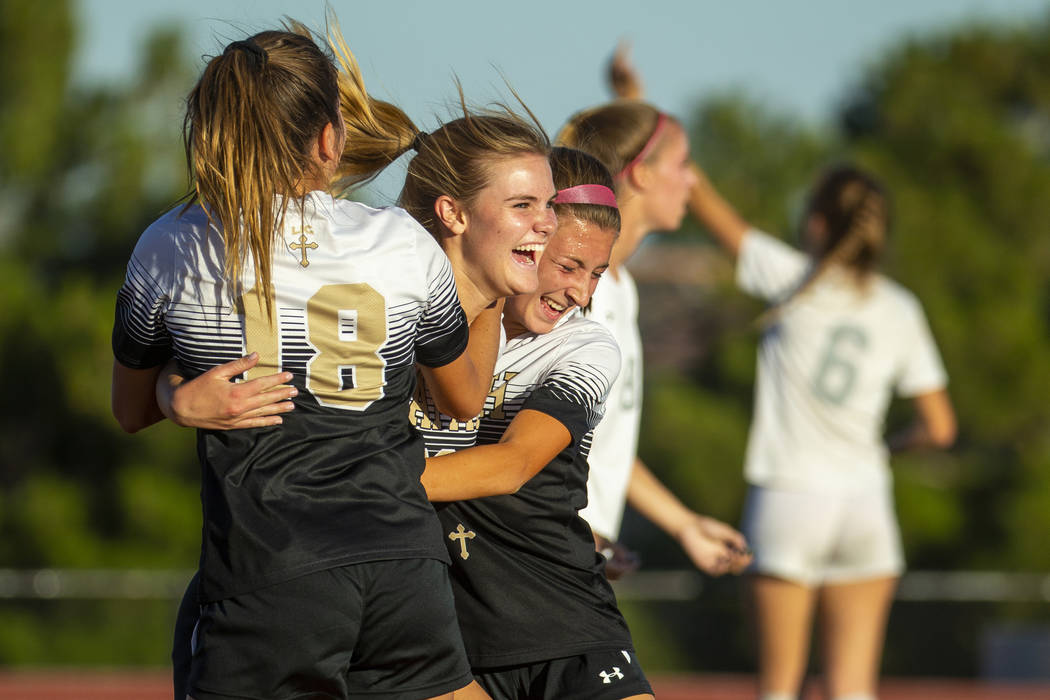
(527, 254)
(553, 309)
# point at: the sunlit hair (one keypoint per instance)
(571, 167)
(614, 133)
(453, 160)
(250, 124)
(377, 132)
(854, 210)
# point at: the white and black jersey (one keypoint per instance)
(359, 296)
(528, 583)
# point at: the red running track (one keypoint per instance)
(156, 685)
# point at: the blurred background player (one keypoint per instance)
(322, 569)
(839, 340)
(648, 152)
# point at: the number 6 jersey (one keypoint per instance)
(359, 296)
(827, 366)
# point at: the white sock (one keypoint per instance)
(777, 696)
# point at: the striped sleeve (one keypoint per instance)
(442, 332)
(575, 389)
(140, 336)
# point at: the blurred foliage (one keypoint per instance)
(82, 172)
(957, 125)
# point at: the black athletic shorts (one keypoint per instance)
(384, 630)
(594, 675)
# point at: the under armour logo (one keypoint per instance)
(608, 677)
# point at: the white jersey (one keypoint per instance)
(827, 367)
(615, 441)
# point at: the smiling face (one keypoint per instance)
(574, 260)
(669, 179)
(507, 225)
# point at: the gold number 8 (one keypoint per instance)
(347, 341)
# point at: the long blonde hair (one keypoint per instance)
(249, 124)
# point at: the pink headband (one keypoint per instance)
(661, 122)
(587, 194)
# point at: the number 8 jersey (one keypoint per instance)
(827, 367)
(359, 296)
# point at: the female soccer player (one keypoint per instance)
(538, 616)
(322, 571)
(649, 153)
(839, 340)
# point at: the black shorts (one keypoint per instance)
(599, 675)
(384, 629)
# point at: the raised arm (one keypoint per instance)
(532, 440)
(934, 425)
(705, 202)
(716, 214)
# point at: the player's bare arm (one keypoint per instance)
(712, 546)
(934, 425)
(532, 440)
(132, 399)
(463, 397)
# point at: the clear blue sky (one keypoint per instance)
(799, 56)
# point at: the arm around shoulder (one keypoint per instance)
(532, 440)
(460, 387)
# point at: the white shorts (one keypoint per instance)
(815, 538)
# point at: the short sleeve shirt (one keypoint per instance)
(827, 367)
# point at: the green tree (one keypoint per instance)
(82, 172)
